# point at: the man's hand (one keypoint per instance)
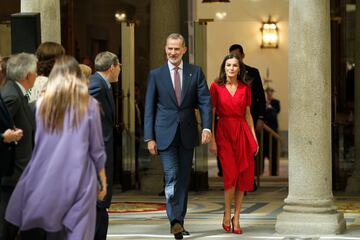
(259, 124)
(101, 193)
(151, 145)
(205, 137)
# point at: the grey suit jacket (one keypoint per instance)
(23, 118)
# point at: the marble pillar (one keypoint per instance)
(353, 184)
(49, 17)
(309, 207)
(164, 19)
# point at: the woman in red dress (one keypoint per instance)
(235, 141)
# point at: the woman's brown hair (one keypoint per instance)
(46, 53)
(221, 80)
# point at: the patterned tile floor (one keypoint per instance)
(204, 216)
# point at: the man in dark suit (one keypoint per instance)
(9, 134)
(272, 110)
(107, 69)
(174, 90)
(20, 75)
(257, 92)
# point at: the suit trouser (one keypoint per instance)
(176, 161)
(5, 194)
(102, 216)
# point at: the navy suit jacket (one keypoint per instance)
(163, 116)
(101, 92)
(23, 118)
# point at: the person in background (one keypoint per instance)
(9, 134)
(46, 53)
(272, 110)
(139, 126)
(235, 140)
(257, 90)
(58, 190)
(107, 68)
(253, 79)
(174, 91)
(88, 62)
(21, 72)
(86, 71)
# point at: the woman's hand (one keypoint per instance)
(212, 146)
(257, 150)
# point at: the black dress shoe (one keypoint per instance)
(178, 235)
(177, 230)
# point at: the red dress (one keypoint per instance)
(236, 145)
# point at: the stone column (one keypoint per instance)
(164, 19)
(354, 181)
(49, 17)
(309, 207)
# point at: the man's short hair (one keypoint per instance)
(176, 36)
(19, 65)
(104, 60)
(235, 47)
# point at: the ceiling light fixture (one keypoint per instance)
(215, 1)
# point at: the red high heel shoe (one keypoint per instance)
(234, 229)
(227, 228)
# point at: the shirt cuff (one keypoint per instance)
(206, 129)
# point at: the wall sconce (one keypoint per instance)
(120, 16)
(215, 1)
(269, 34)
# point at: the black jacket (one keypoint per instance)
(7, 150)
(257, 92)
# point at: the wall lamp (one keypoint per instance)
(269, 34)
(120, 16)
(215, 1)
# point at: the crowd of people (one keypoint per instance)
(57, 123)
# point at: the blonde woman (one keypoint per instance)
(58, 190)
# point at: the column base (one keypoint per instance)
(296, 223)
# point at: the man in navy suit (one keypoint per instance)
(107, 69)
(174, 91)
(21, 72)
